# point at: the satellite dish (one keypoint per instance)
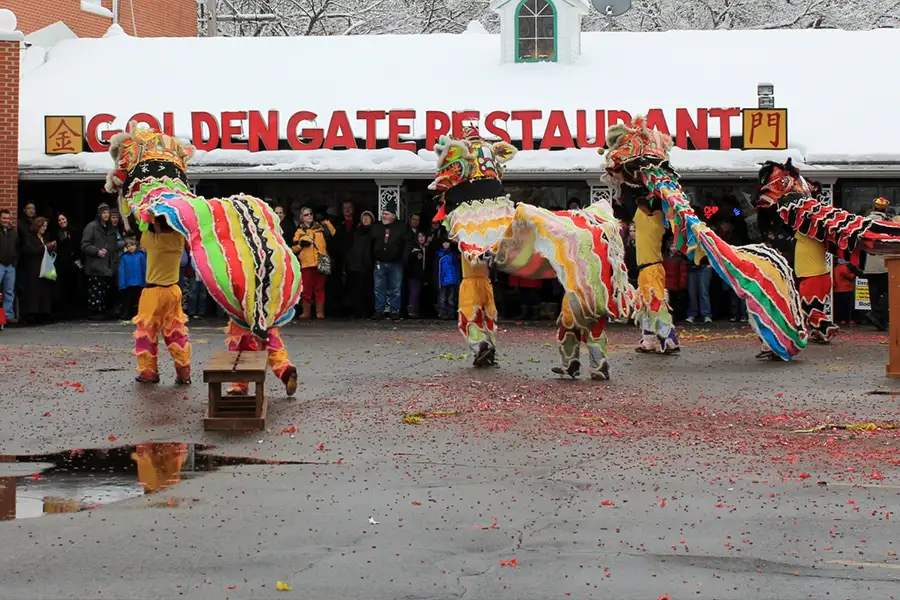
(612, 8)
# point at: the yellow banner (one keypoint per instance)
(765, 128)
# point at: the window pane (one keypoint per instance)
(545, 50)
(542, 7)
(858, 199)
(526, 27)
(526, 49)
(545, 27)
(530, 7)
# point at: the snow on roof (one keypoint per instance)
(825, 78)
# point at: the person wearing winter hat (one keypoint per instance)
(876, 273)
(100, 245)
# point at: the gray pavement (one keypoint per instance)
(679, 477)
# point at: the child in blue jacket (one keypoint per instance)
(448, 278)
(132, 277)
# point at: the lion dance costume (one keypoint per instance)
(236, 247)
(639, 157)
(581, 248)
(819, 228)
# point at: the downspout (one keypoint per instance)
(115, 12)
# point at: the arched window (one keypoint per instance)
(535, 31)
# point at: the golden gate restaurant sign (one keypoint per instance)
(256, 131)
(63, 135)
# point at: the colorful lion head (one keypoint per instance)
(777, 180)
(634, 148)
(468, 159)
(139, 153)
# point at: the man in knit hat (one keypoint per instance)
(877, 275)
(100, 244)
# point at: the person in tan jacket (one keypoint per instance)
(310, 246)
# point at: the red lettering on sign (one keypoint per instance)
(371, 117)
(436, 125)
(198, 119)
(527, 118)
(232, 125)
(614, 116)
(490, 124)
(557, 134)
(581, 129)
(686, 128)
(464, 117)
(340, 134)
(169, 124)
(263, 130)
(145, 119)
(315, 134)
(101, 144)
(656, 119)
(724, 115)
(396, 129)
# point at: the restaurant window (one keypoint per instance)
(857, 196)
(535, 31)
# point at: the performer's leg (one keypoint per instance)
(238, 339)
(175, 333)
(569, 336)
(813, 292)
(477, 315)
(280, 363)
(146, 335)
(598, 346)
(657, 326)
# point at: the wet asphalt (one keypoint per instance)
(679, 478)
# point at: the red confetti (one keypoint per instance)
(112, 437)
(416, 503)
(607, 503)
(35, 476)
(46, 414)
(508, 563)
(804, 475)
(290, 429)
(320, 447)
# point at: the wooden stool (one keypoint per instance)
(238, 412)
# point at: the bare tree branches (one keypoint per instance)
(367, 17)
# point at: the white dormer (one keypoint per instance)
(540, 30)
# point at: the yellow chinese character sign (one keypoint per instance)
(63, 135)
(765, 128)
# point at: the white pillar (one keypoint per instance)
(390, 197)
(826, 196)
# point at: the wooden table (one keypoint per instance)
(236, 412)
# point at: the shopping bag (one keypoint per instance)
(48, 265)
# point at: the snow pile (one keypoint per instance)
(689, 69)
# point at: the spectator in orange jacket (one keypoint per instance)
(844, 292)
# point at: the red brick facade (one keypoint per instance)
(149, 18)
(9, 124)
(144, 18)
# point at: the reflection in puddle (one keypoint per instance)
(76, 480)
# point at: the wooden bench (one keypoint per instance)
(236, 412)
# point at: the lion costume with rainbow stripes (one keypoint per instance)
(581, 248)
(235, 244)
(639, 157)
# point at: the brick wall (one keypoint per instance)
(10, 55)
(152, 18)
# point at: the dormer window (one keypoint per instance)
(535, 31)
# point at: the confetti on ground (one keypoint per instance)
(282, 586)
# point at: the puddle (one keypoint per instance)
(85, 479)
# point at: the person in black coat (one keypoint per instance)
(359, 266)
(36, 294)
(68, 269)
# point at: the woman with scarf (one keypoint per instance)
(310, 247)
